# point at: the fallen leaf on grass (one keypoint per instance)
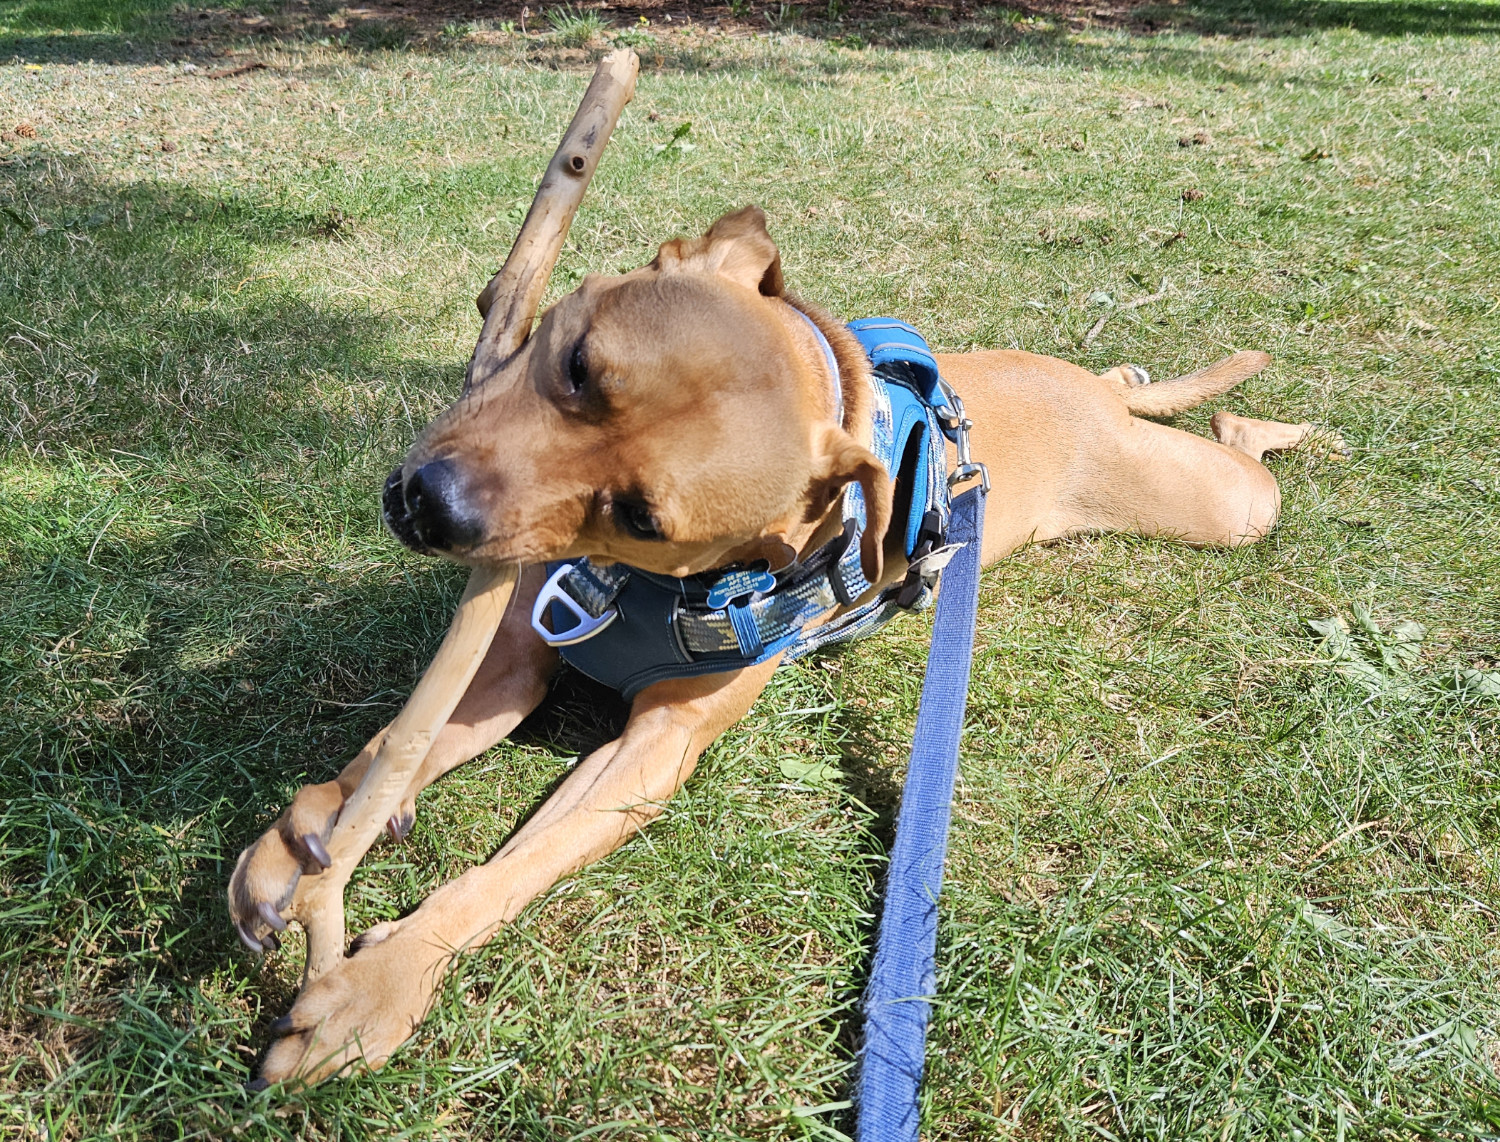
(813, 774)
(1328, 926)
(1478, 683)
(1397, 649)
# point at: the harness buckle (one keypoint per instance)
(956, 425)
(587, 625)
(927, 559)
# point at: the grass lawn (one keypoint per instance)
(1208, 880)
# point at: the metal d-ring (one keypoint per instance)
(586, 627)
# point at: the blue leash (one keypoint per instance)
(903, 979)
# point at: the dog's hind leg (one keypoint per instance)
(1160, 481)
(371, 1002)
(1257, 437)
(508, 685)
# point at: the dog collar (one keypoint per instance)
(630, 628)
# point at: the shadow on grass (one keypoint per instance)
(198, 607)
(139, 31)
(72, 31)
(1290, 18)
(150, 31)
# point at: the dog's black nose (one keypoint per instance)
(436, 507)
(393, 507)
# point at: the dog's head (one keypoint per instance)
(675, 418)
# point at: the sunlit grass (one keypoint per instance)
(1201, 885)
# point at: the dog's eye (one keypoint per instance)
(635, 520)
(578, 369)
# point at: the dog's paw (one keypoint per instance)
(266, 874)
(360, 1012)
(1324, 443)
(1131, 376)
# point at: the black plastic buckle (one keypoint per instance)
(930, 536)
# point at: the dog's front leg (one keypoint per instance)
(508, 685)
(373, 1001)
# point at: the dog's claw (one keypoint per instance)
(280, 1027)
(271, 916)
(398, 826)
(248, 940)
(315, 849)
(255, 1086)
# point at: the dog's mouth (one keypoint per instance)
(397, 517)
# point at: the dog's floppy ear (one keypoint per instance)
(840, 460)
(736, 246)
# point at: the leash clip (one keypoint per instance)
(956, 425)
(587, 625)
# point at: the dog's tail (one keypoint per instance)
(1182, 393)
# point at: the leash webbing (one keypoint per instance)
(903, 978)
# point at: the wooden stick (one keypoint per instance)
(1159, 295)
(319, 900)
(509, 302)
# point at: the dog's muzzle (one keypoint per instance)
(427, 511)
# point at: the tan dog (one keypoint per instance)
(680, 418)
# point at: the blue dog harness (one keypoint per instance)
(630, 628)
